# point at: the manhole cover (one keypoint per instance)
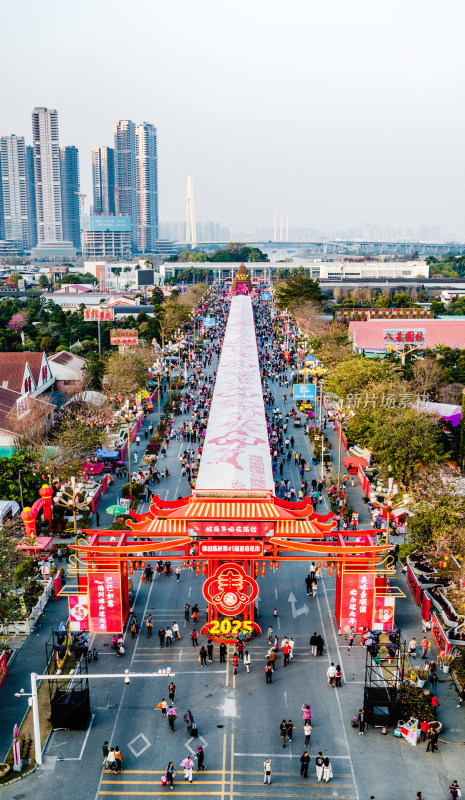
(220, 726)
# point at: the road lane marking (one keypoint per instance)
(135, 753)
(231, 787)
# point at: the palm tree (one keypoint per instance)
(117, 271)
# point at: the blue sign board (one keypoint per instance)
(266, 296)
(208, 322)
(303, 391)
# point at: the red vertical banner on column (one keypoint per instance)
(105, 607)
(357, 600)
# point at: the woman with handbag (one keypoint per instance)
(170, 774)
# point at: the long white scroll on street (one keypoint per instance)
(236, 453)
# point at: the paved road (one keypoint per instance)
(238, 717)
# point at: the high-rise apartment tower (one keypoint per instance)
(125, 173)
(146, 187)
(47, 174)
(103, 181)
(69, 165)
(14, 184)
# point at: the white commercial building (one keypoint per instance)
(338, 270)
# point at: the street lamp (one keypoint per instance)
(180, 341)
(159, 369)
(317, 371)
(70, 500)
(128, 414)
(390, 504)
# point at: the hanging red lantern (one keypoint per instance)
(131, 570)
(330, 573)
(256, 570)
(142, 565)
(197, 568)
(326, 564)
(263, 567)
(184, 563)
(271, 565)
(318, 566)
(137, 565)
(338, 570)
(204, 567)
(191, 564)
(277, 565)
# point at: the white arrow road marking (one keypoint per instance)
(296, 612)
(138, 753)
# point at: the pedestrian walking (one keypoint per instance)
(307, 712)
(200, 755)
(307, 733)
(168, 636)
(454, 790)
(331, 674)
(188, 767)
(412, 648)
(304, 764)
(170, 774)
(235, 662)
(194, 637)
(111, 760)
(178, 573)
(320, 645)
(270, 635)
(247, 660)
(327, 770)
(203, 656)
(283, 732)
(319, 763)
(161, 636)
(361, 722)
(290, 728)
(118, 759)
(268, 672)
(171, 692)
(433, 737)
(223, 651)
(189, 720)
(210, 651)
(172, 716)
(164, 707)
(267, 771)
(186, 612)
(352, 633)
(105, 751)
(338, 676)
(313, 643)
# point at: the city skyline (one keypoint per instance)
(337, 113)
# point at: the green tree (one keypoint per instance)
(357, 374)
(157, 297)
(43, 281)
(126, 373)
(298, 289)
(18, 474)
(14, 278)
(94, 370)
(405, 441)
(383, 301)
(402, 300)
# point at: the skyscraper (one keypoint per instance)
(103, 181)
(47, 174)
(69, 167)
(125, 173)
(14, 183)
(31, 195)
(146, 187)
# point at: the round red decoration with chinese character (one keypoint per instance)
(230, 589)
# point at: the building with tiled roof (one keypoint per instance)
(26, 373)
(16, 406)
(68, 371)
(380, 335)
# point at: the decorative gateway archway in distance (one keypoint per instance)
(232, 524)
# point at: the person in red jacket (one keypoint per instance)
(235, 662)
(286, 648)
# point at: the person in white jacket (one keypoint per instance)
(331, 673)
(267, 771)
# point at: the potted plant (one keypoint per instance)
(448, 659)
(419, 675)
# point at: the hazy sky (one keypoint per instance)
(339, 111)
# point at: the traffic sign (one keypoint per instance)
(303, 391)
